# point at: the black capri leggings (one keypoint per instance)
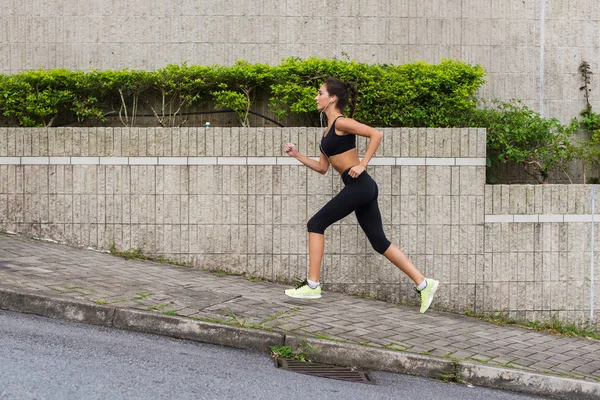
(358, 195)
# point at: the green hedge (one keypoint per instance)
(416, 94)
(409, 95)
(518, 134)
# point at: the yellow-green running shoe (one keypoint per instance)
(427, 293)
(303, 291)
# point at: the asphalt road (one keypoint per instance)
(41, 358)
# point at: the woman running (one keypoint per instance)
(338, 148)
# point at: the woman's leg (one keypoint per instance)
(337, 208)
(399, 259)
(346, 201)
(316, 247)
(369, 219)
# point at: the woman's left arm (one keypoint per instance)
(348, 125)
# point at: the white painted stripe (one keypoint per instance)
(578, 218)
(114, 160)
(551, 218)
(202, 160)
(262, 160)
(143, 160)
(382, 161)
(85, 160)
(10, 160)
(287, 161)
(526, 218)
(440, 161)
(172, 160)
(60, 160)
(410, 161)
(226, 161)
(231, 160)
(471, 161)
(498, 218)
(35, 160)
(540, 218)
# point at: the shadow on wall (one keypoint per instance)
(511, 173)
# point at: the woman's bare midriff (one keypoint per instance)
(343, 161)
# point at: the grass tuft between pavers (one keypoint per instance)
(555, 326)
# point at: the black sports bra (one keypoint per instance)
(332, 143)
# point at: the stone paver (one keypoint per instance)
(52, 268)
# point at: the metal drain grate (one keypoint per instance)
(325, 371)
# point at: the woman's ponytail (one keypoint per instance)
(345, 92)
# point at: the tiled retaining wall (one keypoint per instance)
(230, 198)
(538, 251)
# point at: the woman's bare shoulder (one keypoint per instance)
(349, 125)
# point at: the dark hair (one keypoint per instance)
(344, 91)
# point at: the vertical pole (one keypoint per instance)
(592, 259)
(542, 43)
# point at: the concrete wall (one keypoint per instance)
(530, 49)
(229, 198)
(538, 249)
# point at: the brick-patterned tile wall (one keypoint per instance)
(538, 251)
(230, 198)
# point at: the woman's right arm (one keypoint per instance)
(320, 166)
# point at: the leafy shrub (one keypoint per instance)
(409, 95)
(587, 151)
(415, 94)
(517, 133)
(36, 98)
(238, 86)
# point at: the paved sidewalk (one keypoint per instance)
(54, 270)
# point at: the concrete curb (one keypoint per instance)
(140, 321)
(56, 307)
(527, 382)
(364, 357)
(330, 352)
(374, 358)
(199, 331)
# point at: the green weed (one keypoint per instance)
(302, 354)
(554, 326)
(325, 337)
(142, 295)
(136, 254)
(157, 307)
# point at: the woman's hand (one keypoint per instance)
(290, 149)
(357, 170)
